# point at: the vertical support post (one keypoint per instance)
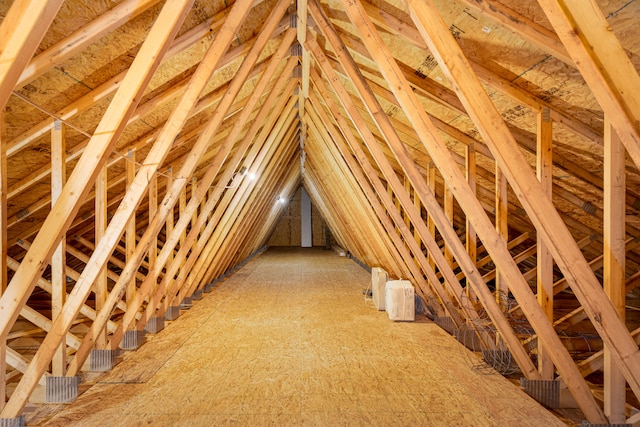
(101, 290)
(130, 239)
(471, 239)
(390, 193)
(502, 289)
(194, 186)
(448, 211)
(58, 259)
(431, 225)
(170, 216)
(153, 209)
(544, 171)
(182, 207)
(407, 188)
(3, 246)
(470, 169)
(417, 204)
(614, 263)
(305, 214)
(303, 94)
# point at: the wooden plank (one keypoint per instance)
(448, 212)
(79, 183)
(544, 266)
(182, 206)
(431, 225)
(603, 63)
(424, 128)
(21, 30)
(58, 259)
(614, 263)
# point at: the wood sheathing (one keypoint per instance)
(486, 150)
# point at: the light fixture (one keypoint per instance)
(252, 176)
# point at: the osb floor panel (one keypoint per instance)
(289, 340)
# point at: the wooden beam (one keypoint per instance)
(544, 265)
(603, 63)
(109, 129)
(614, 263)
(21, 31)
(58, 259)
(470, 172)
(468, 202)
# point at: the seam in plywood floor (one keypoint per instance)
(289, 340)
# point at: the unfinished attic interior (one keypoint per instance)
(486, 151)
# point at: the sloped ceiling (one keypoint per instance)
(485, 150)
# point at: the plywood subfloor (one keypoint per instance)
(289, 340)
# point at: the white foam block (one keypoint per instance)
(399, 301)
(378, 282)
